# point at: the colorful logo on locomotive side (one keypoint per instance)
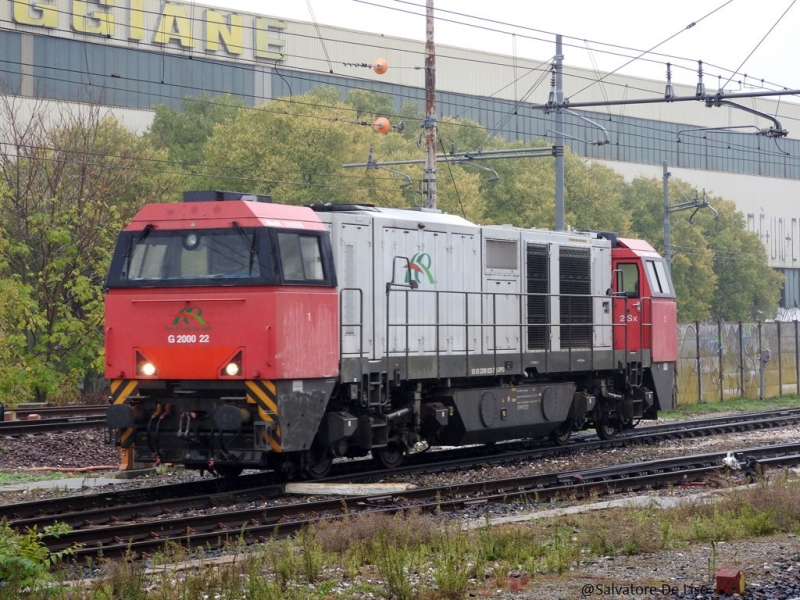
(190, 315)
(420, 264)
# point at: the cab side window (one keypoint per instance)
(301, 258)
(659, 279)
(628, 280)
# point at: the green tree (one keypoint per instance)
(183, 133)
(524, 194)
(294, 149)
(593, 197)
(17, 373)
(70, 188)
(719, 269)
(747, 288)
(370, 104)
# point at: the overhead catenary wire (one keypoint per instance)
(578, 44)
(319, 33)
(321, 71)
(698, 153)
(250, 31)
(759, 44)
(304, 115)
(656, 128)
(160, 47)
(673, 36)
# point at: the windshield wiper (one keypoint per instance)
(250, 244)
(143, 234)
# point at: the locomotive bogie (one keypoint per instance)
(488, 415)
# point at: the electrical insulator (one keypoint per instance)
(380, 65)
(381, 125)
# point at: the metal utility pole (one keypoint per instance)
(667, 247)
(430, 110)
(558, 149)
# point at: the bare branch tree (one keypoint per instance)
(73, 177)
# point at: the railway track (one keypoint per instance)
(141, 520)
(135, 533)
(52, 424)
(255, 487)
(74, 410)
(54, 418)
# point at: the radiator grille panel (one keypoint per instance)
(538, 273)
(575, 275)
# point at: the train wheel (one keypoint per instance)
(318, 463)
(391, 456)
(561, 435)
(606, 431)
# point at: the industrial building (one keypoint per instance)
(129, 55)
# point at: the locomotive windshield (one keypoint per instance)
(191, 255)
(211, 257)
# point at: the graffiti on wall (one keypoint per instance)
(719, 361)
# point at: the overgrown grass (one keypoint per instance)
(415, 555)
(737, 404)
(10, 478)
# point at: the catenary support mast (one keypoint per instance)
(430, 110)
(558, 149)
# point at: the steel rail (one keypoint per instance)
(8, 428)
(172, 497)
(69, 410)
(262, 523)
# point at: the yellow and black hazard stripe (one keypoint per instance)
(262, 393)
(121, 390)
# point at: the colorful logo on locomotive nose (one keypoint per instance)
(190, 315)
(419, 265)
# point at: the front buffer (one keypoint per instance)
(223, 428)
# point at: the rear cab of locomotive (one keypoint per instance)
(221, 331)
(646, 320)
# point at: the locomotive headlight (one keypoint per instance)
(148, 369)
(144, 366)
(232, 369)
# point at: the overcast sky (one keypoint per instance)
(725, 34)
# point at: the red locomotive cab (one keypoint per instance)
(645, 311)
(222, 291)
(221, 332)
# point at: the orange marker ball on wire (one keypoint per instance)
(381, 125)
(380, 65)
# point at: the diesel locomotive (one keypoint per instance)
(241, 333)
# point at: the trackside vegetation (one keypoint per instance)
(408, 555)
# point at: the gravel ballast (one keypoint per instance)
(771, 566)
